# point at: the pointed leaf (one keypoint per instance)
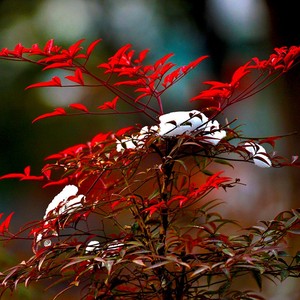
(79, 106)
(73, 49)
(48, 46)
(109, 104)
(55, 81)
(162, 60)
(57, 112)
(200, 270)
(91, 47)
(78, 78)
(5, 224)
(142, 56)
(63, 181)
(58, 65)
(12, 175)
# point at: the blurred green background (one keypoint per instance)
(230, 31)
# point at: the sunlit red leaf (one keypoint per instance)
(74, 49)
(57, 58)
(79, 106)
(91, 47)
(162, 60)
(101, 137)
(142, 56)
(48, 46)
(194, 64)
(180, 198)
(109, 104)
(57, 112)
(19, 50)
(58, 65)
(124, 130)
(5, 224)
(141, 96)
(239, 74)
(170, 78)
(12, 175)
(121, 51)
(217, 84)
(63, 181)
(78, 78)
(55, 81)
(22, 176)
(154, 208)
(129, 82)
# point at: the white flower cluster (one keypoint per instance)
(136, 141)
(92, 246)
(190, 122)
(112, 250)
(65, 201)
(177, 123)
(258, 154)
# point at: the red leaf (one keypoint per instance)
(162, 60)
(22, 176)
(180, 198)
(73, 49)
(119, 58)
(17, 175)
(142, 56)
(170, 78)
(239, 74)
(55, 81)
(31, 177)
(152, 209)
(54, 58)
(58, 65)
(54, 156)
(27, 171)
(101, 137)
(79, 106)
(78, 78)
(109, 104)
(5, 224)
(12, 175)
(57, 112)
(217, 84)
(121, 51)
(63, 181)
(270, 140)
(124, 130)
(73, 149)
(129, 82)
(48, 46)
(91, 47)
(194, 63)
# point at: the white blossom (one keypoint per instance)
(92, 246)
(136, 141)
(187, 122)
(62, 202)
(180, 122)
(173, 124)
(213, 134)
(258, 154)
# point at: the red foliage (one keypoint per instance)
(5, 224)
(153, 177)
